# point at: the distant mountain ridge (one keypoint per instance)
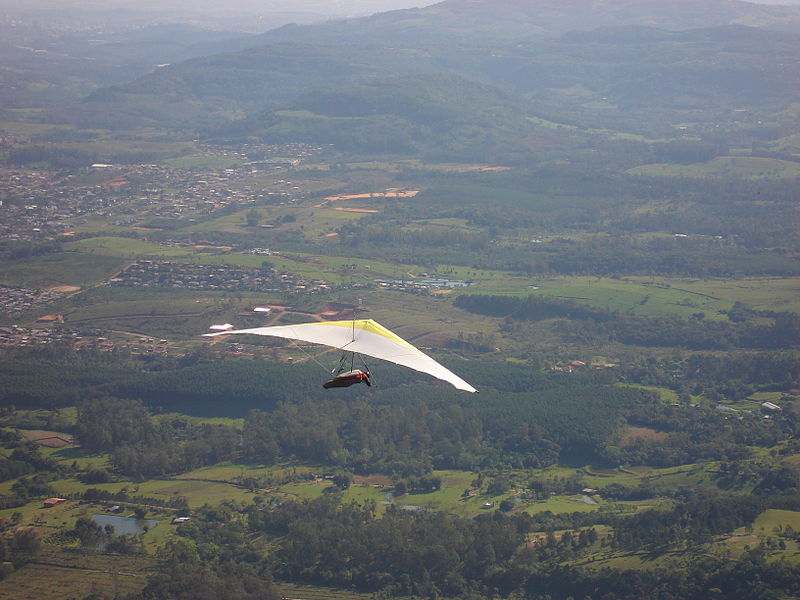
(482, 20)
(640, 76)
(749, 58)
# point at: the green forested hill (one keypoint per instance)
(440, 116)
(530, 94)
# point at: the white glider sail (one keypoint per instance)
(363, 336)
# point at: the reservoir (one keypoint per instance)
(125, 525)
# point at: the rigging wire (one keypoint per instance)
(311, 356)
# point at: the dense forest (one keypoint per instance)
(520, 420)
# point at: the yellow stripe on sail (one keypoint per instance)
(367, 325)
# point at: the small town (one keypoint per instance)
(19, 300)
(47, 205)
(164, 274)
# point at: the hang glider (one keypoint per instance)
(361, 336)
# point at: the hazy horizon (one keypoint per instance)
(239, 15)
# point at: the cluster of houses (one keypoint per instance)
(165, 274)
(84, 338)
(577, 365)
(78, 337)
(18, 300)
(422, 286)
(39, 205)
(27, 336)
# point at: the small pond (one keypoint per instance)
(125, 525)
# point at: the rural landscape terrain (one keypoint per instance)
(587, 210)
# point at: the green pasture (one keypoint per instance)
(197, 493)
(130, 248)
(630, 295)
(314, 222)
(772, 520)
(667, 395)
(637, 561)
(594, 479)
(58, 269)
(449, 497)
(647, 296)
(550, 124)
(39, 418)
(5, 487)
(412, 316)
(28, 511)
(307, 114)
(306, 490)
(746, 167)
(559, 504)
(160, 313)
(765, 396)
(304, 264)
(617, 135)
(116, 151)
(621, 295)
(790, 142)
(599, 105)
(228, 471)
(761, 293)
(75, 454)
(314, 489)
(152, 308)
(449, 223)
(227, 421)
(28, 128)
(703, 474)
(735, 545)
(326, 221)
(308, 592)
(157, 536)
(236, 222)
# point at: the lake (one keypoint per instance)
(125, 525)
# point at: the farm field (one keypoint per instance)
(308, 592)
(196, 492)
(724, 166)
(59, 269)
(72, 573)
(649, 297)
(771, 520)
(231, 471)
(93, 260)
